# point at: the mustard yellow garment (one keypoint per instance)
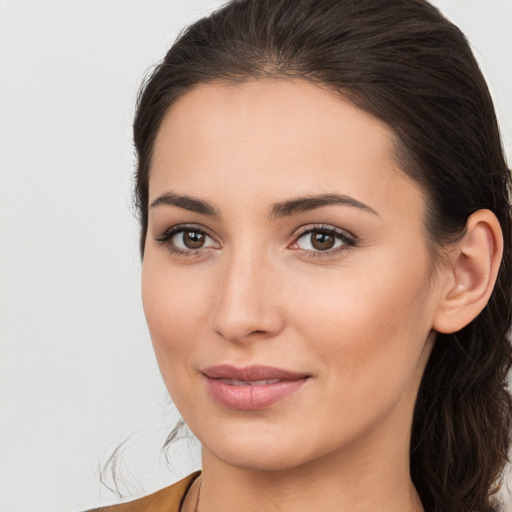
(168, 499)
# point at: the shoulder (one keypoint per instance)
(165, 500)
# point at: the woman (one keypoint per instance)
(326, 241)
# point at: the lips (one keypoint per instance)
(252, 387)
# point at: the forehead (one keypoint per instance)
(274, 138)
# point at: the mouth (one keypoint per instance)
(253, 387)
(262, 382)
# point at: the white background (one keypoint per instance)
(77, 372)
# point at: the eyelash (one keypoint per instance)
(348, 240)
(166, 236)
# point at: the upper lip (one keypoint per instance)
(251, 373)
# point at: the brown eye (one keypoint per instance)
(322, 241)
(193, 239)
(325, 239)
(186, 240)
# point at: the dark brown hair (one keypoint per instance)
(404, 63)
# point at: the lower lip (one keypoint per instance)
(251, 398)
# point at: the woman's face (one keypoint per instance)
(287, 282)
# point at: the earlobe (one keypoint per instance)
(471, 273)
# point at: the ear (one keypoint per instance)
(470, 274)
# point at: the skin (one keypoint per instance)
(359, 318)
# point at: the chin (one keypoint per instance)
(264, 449)
(259, 459)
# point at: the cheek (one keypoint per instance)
(176, 305)
(370, 328)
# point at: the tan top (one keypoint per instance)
(168, 499)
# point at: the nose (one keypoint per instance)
(246, 306)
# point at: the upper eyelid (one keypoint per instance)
(177, 228)
(297, 232)
(319, 227)
(325, 227)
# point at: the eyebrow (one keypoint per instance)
(277, 210)
(185, 202)
(305, 204)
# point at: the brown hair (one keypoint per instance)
(404, 63)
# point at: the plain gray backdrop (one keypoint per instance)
(77, 371)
